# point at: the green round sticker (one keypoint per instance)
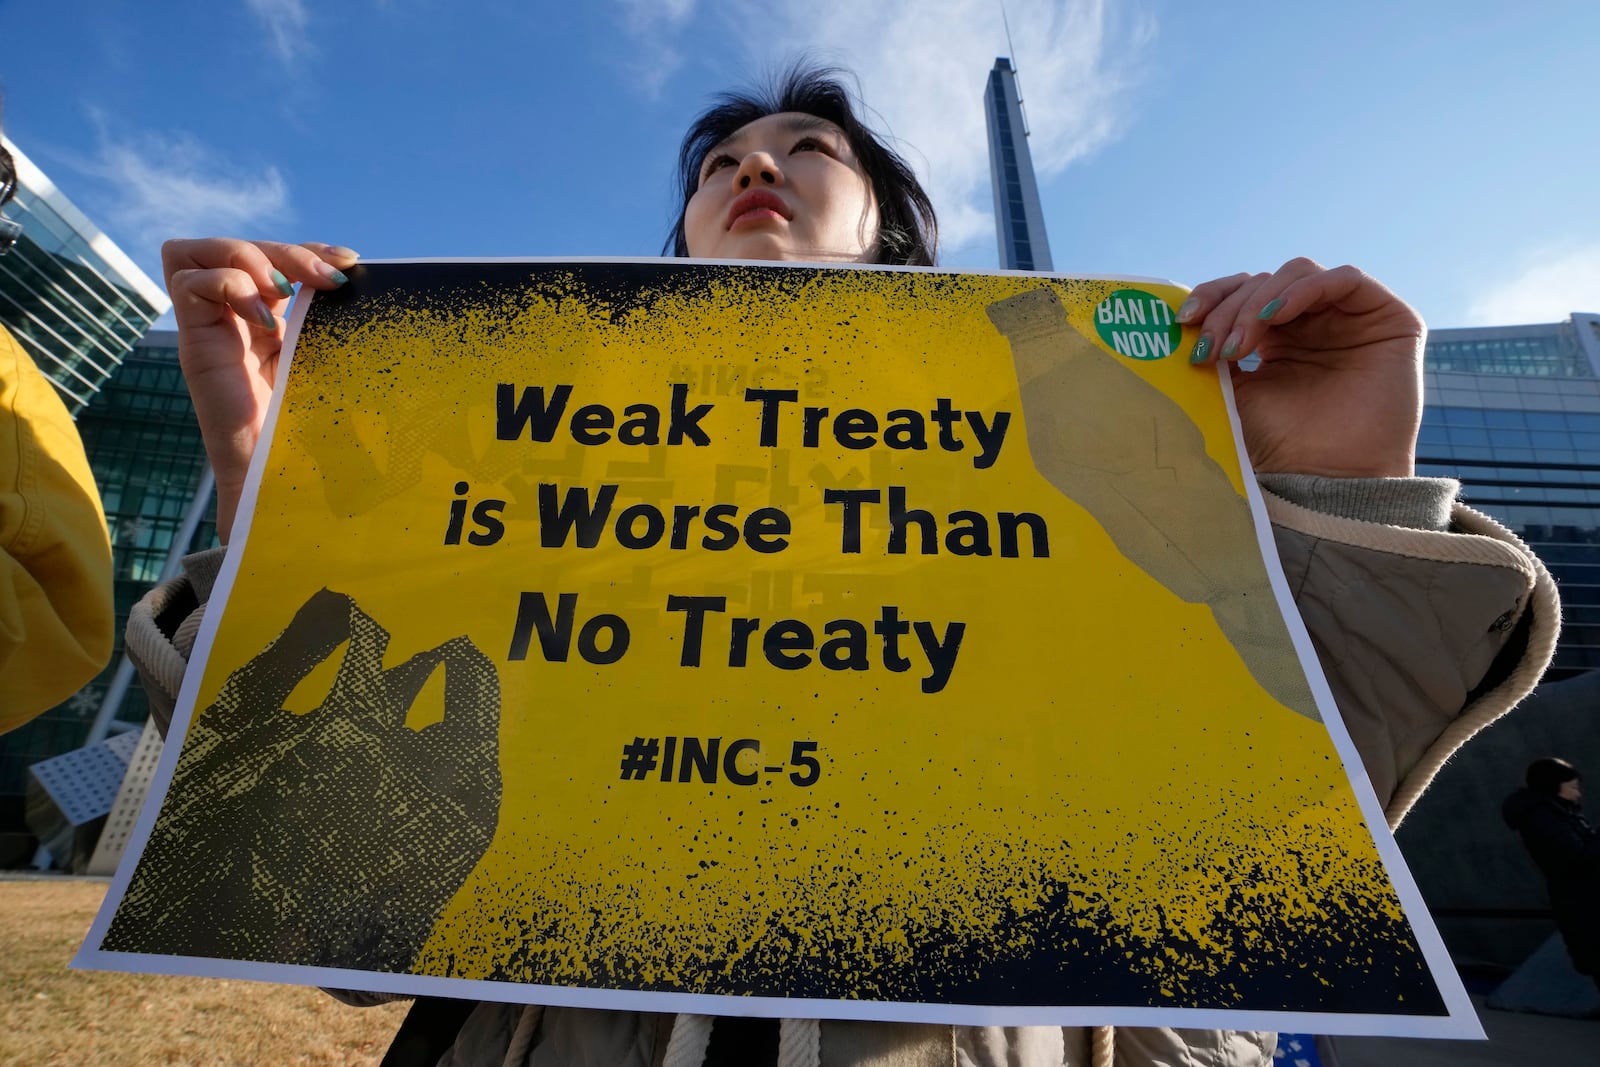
(1137, 324)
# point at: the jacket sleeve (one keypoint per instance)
(1426, 635)
(162, 628)
(55, 556)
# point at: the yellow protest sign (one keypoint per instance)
(891, 641)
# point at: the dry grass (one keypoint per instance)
(53, 1015)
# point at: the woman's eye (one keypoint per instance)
(807, 144)
(715, 164)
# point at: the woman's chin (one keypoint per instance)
(757, 246)
(752, 245)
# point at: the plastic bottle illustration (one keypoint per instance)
(1128, 455)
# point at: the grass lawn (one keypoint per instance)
(58, 1016)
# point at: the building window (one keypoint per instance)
(1551, 353)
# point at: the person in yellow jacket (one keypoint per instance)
(55, 556)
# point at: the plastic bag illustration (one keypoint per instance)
(332, 838)
(1128, 455)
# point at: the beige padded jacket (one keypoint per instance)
(1426, 637)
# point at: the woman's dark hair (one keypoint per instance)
(1547, 775)
(8, 170)
(8, 176)
(908, 232)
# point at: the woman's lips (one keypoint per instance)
(755, 217)
(755, 207)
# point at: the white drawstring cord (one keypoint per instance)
(1103, 1046)
(799, 1043)
(691, 1037)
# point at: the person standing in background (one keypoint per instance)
(1548, 812)
(56, 611)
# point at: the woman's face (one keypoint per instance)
(786, 186)
(1570, 790)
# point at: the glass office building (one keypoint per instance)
(1514, 412)
(145, 449)
(70, 297)
(1018, 215)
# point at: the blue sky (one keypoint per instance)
(1447, 147)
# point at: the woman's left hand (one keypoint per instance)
(1339, 389)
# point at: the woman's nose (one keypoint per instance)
(758, 167)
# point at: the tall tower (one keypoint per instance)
(1018, 217)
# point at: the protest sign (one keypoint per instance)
(768, 640)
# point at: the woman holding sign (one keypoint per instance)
(1463, 628)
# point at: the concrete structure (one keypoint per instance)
(1018, 216)
(71, 297)
(1514, 412)
(145, 449)
(1514, 1040)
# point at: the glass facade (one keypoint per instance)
(1018, 217)
(1544, 351)
(71, 298)
(1527, 450)
(145, 449)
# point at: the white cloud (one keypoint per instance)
(656, 12)
(652, 24)
(922, 66)
(170, 185)
(286, 21)
(1547, 288)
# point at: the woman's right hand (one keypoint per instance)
(229, 297)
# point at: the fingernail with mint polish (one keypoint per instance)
(332, 273)
(264, 315)
(1202, 349)
(1271, 309)
(1187, 309)
(1230, 348)
(282, 283)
